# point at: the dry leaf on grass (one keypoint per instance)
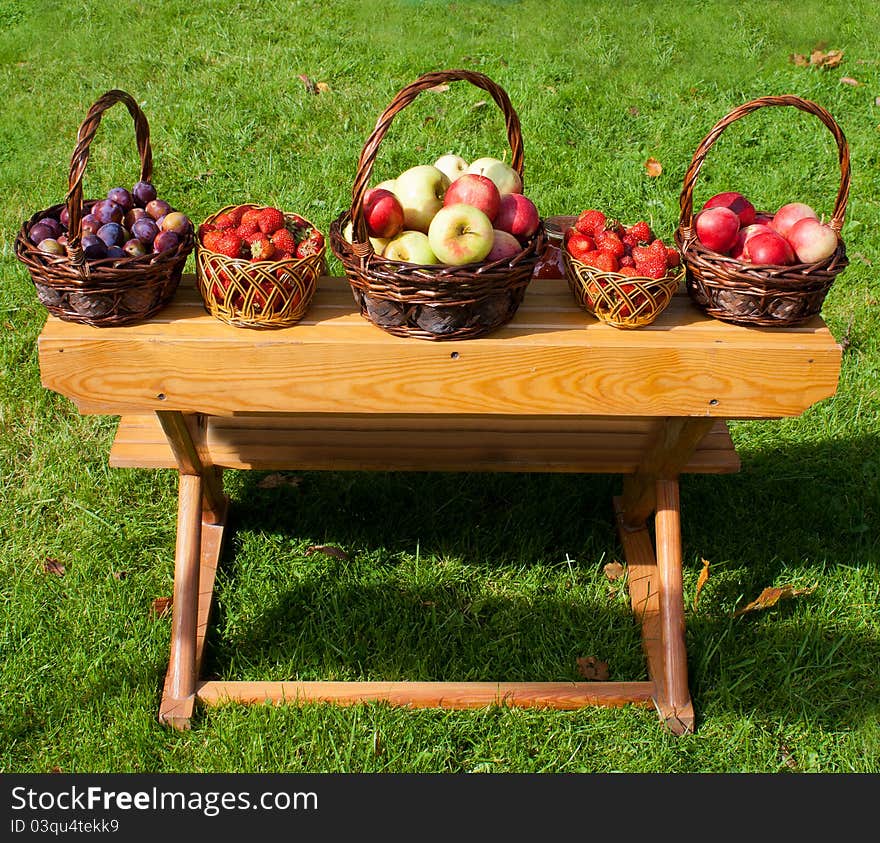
(438, 89)
(769, 597)
(613, 570)
(701, 581)
(311, 87)
(327, 550)
(273, 481)
(818, 58)
(848, 80)
(160, 607)
(323, 88)
(653, 167)
(53, 566)
(592, 668)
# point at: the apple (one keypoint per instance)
(737, 203)
(473, 189)
(518, 216)
(789, 214)
(504, 246)
(717, 229)
(451, 164)
(812, 240)
(378, 243)
(769, 247)
(388, 184)
(461, 234)
(739, 250)
(420, 190)
(383, 213)
(410, 246)
(506, 179)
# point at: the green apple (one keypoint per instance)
(410, 246)
(420, 190)
(506, 179)
(378, 243)
(461, 234)
(451, 164)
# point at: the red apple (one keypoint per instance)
(717, 229)
(739, 250)
(812, 240)
(737, 203)
(517, 216)
(762, 218)
(504, 246)
(770, 248)
(474, 189)
(383, 213)
(789, 214)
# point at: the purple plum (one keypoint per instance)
(145, 229)
(41, 231)
(90, 224)
(94, 247)
(106, 210)
(113, 234)
(64, 217)
(121, 197)
(157, 208)
(165, 241)
(115, 252)
(133, 216)
(142, 193)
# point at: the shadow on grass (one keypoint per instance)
(794, 508)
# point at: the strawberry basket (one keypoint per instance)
(433, 301)
(623, 296)
(765, 295)
(239, 288)
(100, 291)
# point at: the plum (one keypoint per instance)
(106, 210)
(116, 252)
(121, 197)
(90, 224)
(135, 248)
(41, 231)
(64, 217)
(145, 229)
(177, 222)
(132, 216)
(51, 246)
(157, 208)
(165, 241)
(94, 247)
(113, 234)
(143, 192)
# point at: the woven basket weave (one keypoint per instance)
(432, 302)
(761, 295)
(110, 291)
(257, 294)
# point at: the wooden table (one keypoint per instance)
(554, 391)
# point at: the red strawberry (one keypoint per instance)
(579, 244)
(641, 254)
(658, 247)
(283, 241)
(590, 222)
(606, 261)
(249, 214)
(673, 258)
(626, 260)
(653, 267)
(608, 241)
(229, 244)
(252, 237)
(270, 220)
(640, 232)
(237, 213)
(224, 221)
(262, 249)
(628, 270)
(246, 228)
(312, 245)
(205, 227)
(210, 239)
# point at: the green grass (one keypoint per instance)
(449, 577)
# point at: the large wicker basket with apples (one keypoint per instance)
(111, 261)
(446, 250)
(752, 267)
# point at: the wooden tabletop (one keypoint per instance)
(552, 359)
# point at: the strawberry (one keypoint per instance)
(640, 232)
(205, 227)
(673, 258)
(210, 239)
(252, 237)
(608, 241)
(283, 241)
(626, 260)
(224, 221)
(590, 222)
(579, 244)
(229, 244)
(262, 249)
(653, 267)
(312, 245)
(628, 270)
(249, 214)
(270, 220)
(641, 254)
(606, 261)
(237, 213)
(246, 228)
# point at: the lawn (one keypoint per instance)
(445, 576)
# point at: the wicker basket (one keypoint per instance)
(257, 294)
(110, 291)
(762, 295)
(432, 302)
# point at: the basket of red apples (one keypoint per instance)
(623, 275)
(110, 261)
(257, 266)
(753, 267)
(444, 251)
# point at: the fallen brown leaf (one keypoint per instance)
(53, 566)
(160, 607)
(701, 581)
(769, 597)
(592, 668)
(653, 167)
(438, 89)
(120, 575)
(848, 80)
(327, 550)
(633, 111)
(309, 83)
(613, 570)
(831, 58)
(480, 103)
(787, 757)
(273, 481)
(799, 59)
(323, 88)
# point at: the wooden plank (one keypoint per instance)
(606, 446)
(456, 695)
(550, 360)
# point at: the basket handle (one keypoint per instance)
(686, 221)
(360, 242)
(80, 158)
